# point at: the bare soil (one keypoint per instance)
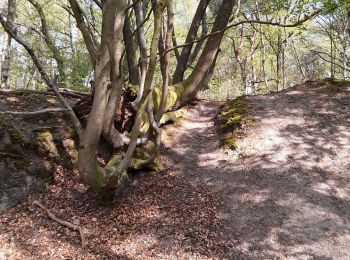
(284, 194)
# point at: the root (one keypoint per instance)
(63, 223)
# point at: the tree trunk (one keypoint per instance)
(348, 19)
(199, 45)
(211, 71)
(194, 83)
(192, 33)
(139, 14)
(88, 166)
(56, 53)
(6, 50)
(134, 74)
(279, 62)
(300, 65)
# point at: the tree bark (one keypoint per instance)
(192, 33)
(199, 45)
(194, 83)
(139, 14)
(88, 167)
(134, 74)
(6, 50)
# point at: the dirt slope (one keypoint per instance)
(284, 194)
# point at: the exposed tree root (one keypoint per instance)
(63, 223)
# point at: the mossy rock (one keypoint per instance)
(46, 145)
(233, 117)
(141, 154)
(230, 141)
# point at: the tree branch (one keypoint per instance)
(33, 113)
(63, 223)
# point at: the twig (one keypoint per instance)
(63, 223)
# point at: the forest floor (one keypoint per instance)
(284, 193)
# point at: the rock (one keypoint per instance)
(46, 145)
(41, 168)
(14, 187)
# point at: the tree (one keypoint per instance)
(6, 49)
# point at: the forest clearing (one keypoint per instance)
(165, 129)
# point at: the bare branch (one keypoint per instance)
(33, 113)
(62, 222)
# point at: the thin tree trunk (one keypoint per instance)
(50, 43)
(6, 50)
(199, 45)
(134, 74)
(348, 19)
(176, 51)
(254, 78)
(110, 37)
(192, 33)
(279, 62)
(300, 65)
(143, 51)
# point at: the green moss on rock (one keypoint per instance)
(233, 117)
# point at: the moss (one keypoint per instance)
(42, 184)
(136, 163)
(101, 178)
(42, 135)
(20, 162)
(17, 136)
(141, 154)
(173, 116)
(46, 145)
(154, 167)
(230, 141)
(18, 140)
(233, 117)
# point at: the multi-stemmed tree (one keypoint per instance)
(106, 56)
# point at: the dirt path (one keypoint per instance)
(284, 194)
(287, 192)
